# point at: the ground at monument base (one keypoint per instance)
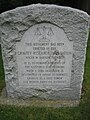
(82, 112)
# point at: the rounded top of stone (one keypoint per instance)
(47, 6)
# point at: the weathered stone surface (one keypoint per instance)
(44, 58)
(18, 28)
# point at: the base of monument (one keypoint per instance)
(5, 100)
(39, 103)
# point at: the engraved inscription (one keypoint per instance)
(43, 32)
(44, 57)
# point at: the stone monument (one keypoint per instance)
(44, 49)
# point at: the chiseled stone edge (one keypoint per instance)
(30, 18)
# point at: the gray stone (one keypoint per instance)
(44, 49)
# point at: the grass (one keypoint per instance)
(82, 112)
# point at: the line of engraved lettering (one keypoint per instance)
(29, 74)
(40, 44)
(59, 81)
(30, 81)
(40, 70)
(43, 81)
(33, 81)
(41, 53)
(49, 78)
(23, 53)
(55, 66)
(27, 63)
(45, 44)
(61, 74)
(38, 48)
(46, 74)
(40, 62)
(60, 44)
(44, 57)
(32, 78)
(36, 66)
(52, 70)
(30, 57)
(58, 77)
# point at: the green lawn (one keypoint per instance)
(82, 112)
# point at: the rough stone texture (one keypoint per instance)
(13, 25)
